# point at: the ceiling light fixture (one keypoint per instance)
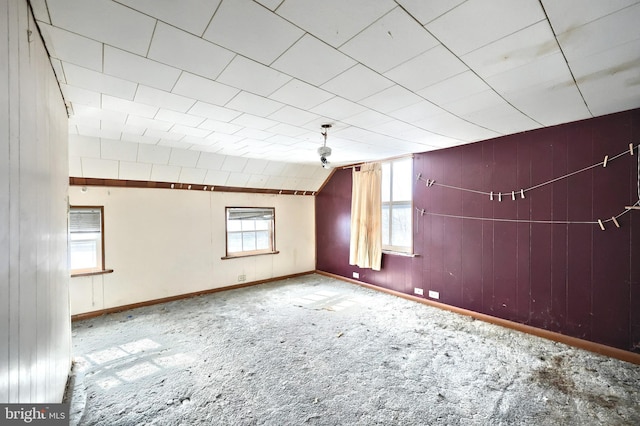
(324, 151)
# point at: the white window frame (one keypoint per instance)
(387, 246)
(86, 232)
(244, 214)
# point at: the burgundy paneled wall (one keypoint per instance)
(570, 278)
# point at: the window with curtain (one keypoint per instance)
(365, 248)
(397, 205)
(250, 231)
(86, 242)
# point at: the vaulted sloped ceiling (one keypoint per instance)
(234, 92)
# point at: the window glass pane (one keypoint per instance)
(401, 225)
(83, 254)
(385, 225)
(402, 181)
(234, 242)
(262, 240)
(248, 241)
(248, 225)
(262, 225)
(386, 182)
(234, 225)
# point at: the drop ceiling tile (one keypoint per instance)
(202, 89)
(75, 166)
(213, 112)
(234, 164)
(567, 15)
(137, 69)
(301, 95)
(454, 127)
(515, 50)
(128, 137)
(98, 133)
(424, 70)
(160, 98)
(257, 181)
(129, 107)
(417, 111)
(81, 96)
(101, 114)
(184, 158)
(477, 101)
(477, 23)
(72, 48)
(240, 26)
(253, 104)
(245, 74)
(334, 21)
(357, 83)
(338, 108)
(427, 11)
(197, 142)
(313, 61)
(192, 132)
(367, 119)
(83, 146)
(237, 179)
(153, 154)
(97, 82)
(293, 116)
(260, 135)
(179, 118)
(57, 69)
(605, 33)
(274, 168)
(454, 88)
(164, 136)
(193, 176)
(216, 177)
(391, 99)
(175, 143)
(134, 171)
(190, 15)
(547, 68)
(270, 4)
(98, 168)
(275, 182)
(40, 12)
(390, 41)
(254, 122)
(182, 50)
(96, 19)
(162, 173)
(287, 130)
(220, 126)
(211, 161)
(85, 122)
(148, 123)
(116, 150)
(255, 166)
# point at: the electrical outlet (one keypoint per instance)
(418, 291)
(242, 277)
(434, 294)
(356, 275)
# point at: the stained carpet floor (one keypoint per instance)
(314, 350)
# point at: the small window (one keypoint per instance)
(86, 245)
(397, 205)
(250, 231)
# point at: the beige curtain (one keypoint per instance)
(366, 215)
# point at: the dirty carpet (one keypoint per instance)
(318, 351)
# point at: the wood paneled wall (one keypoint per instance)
(35, 328)
(574, 279)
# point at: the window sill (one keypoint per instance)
(399, 253)
(88, 274)
(237, 256)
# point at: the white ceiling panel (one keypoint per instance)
(476, 23)
(245, 80)
(300, 94)
(162, 173)
(188, 52)
(134, 171)
(420, 72)
(128, 66)
(116, 150)
(233, 164)
(190, 15)
(98, 168)
(75, 166)
(208, 160)
(104, 21)
(203, 89)
(253, 104)
(70, 47)
(190, 175)
(334, 21)
(357, 83)
(183, 158)
(242, 25)
(252, 76)
(313, 61)
(97, 82)
(390, 41)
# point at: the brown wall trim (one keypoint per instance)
(79, 181)
(101, 312)
(598, 348)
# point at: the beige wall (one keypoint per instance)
(35, 327)
(163, 242)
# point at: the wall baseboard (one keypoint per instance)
(93, 314)
(598, 348)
